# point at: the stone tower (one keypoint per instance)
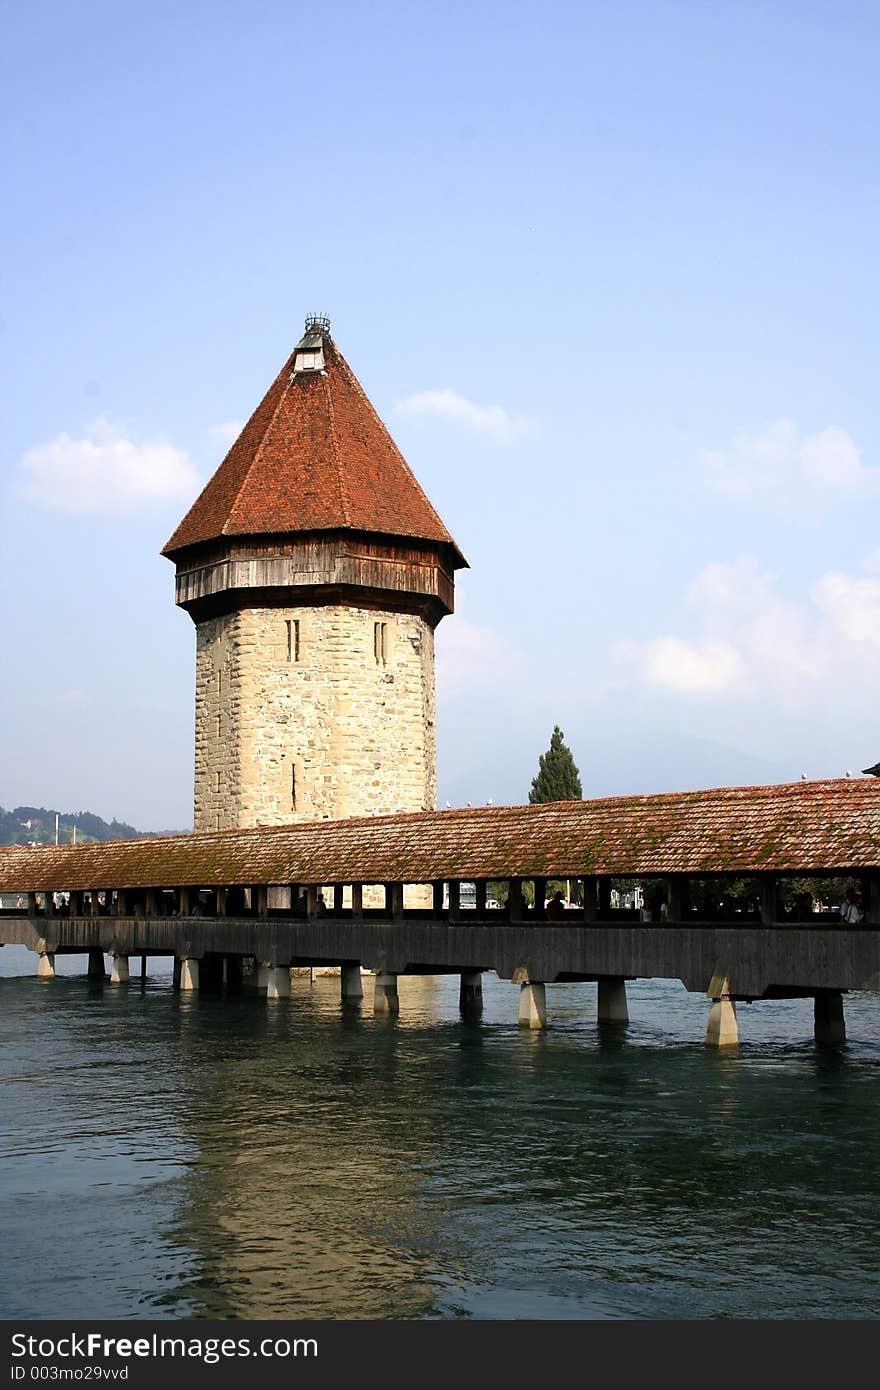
(315, 570)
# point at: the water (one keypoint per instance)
(169, 1156)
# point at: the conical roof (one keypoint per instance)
(314, 456)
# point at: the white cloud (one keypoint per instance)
(789, 474)
(444, 403)
(226, 433)
(106, 472)
(752, 642)
(705, 667)
(469, 656)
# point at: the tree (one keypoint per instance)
(558, 778)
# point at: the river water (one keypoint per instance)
(178, 1156)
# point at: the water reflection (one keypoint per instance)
(177, 1155)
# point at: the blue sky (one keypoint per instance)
(607, 271)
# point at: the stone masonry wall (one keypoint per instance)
(333, 722)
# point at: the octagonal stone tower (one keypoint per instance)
(315, 570)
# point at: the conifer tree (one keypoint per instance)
(558, 778)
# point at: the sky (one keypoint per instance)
(607, 271)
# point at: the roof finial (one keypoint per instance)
(319, 323)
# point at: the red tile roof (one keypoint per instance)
(314, 456)
(818, 826)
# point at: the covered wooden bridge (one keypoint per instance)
(385, 894)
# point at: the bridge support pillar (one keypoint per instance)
(278, 982)
(119, 972)
(470, 995)
(263, 974)
(96, 964)
(828, 1020)
(46, 965)
(611, 1006)
(533, 1004)
(189, 974)
(385, 997)
(721, 1029)
(232, 972)
(352, 987)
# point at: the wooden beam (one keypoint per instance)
(678, 899)
(515, 900)
(769, 899)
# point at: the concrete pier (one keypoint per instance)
(189, 974)
(96, 965)
(828, 1020)
(277, 981)
(721, 1029)
(119, 971)
(385, 997)
(533, 1004)
(263, 969)
(46, 965)
(611, 1005)
(351, 984)
(470, 995)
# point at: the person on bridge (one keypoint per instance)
(851, 910)
(555, 910)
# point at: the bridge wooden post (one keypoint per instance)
(540, 889)
(678, 898)
(829, 1025)
(589, 896)
(437, 893)
(31, 904)
(481, 887)
(357, 900)
(121, 902)
(515, 901)
(454, 900)
(396, 903)
(49, 904)
(221, 901)
(603, 888)
(611, 1005)
(352, 987)
(183, 902)
(262, 900)
(871, 898)
(769, 899)
(470, 994)
(150, 902)
(75, 903)
(338, 896)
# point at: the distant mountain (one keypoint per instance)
(35, 825)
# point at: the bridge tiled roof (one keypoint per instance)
(314, 456)
(817, 826)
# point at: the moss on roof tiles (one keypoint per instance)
(815, 825)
